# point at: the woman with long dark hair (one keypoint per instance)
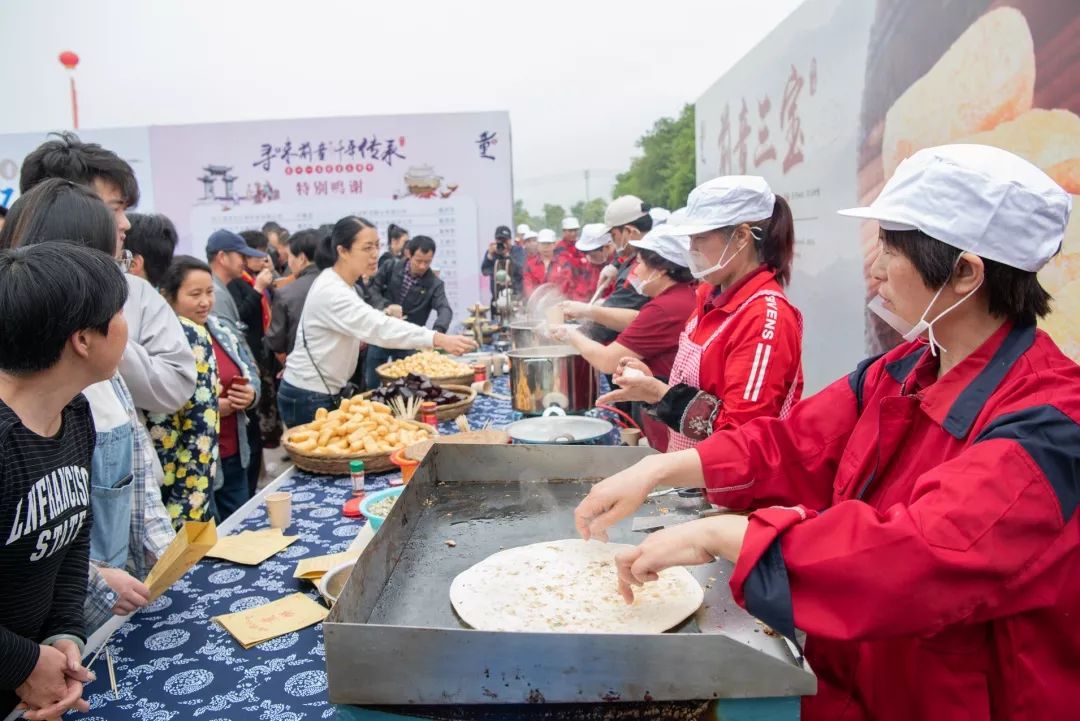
(396, 238)
(336, 320)
(131, 526)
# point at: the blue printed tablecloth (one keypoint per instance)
(173, 662)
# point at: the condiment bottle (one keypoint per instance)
(356, 472)
(427, 413)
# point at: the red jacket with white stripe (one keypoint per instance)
(925, 533)
(750, 367)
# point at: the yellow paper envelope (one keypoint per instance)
(251, 547)
(314, 568)
(188, 548)
(262, 623)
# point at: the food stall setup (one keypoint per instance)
(466, 503)
(393, 646)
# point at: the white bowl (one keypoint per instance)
(333, 582)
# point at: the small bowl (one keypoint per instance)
(368, 501)
(333, 581)
(408, 467)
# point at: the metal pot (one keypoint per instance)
(548, 376)
(557, 428)
(523, 335)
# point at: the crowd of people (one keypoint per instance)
(139, 388)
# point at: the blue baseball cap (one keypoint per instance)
(229, 242)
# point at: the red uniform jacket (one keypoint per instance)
(736, 368)
(536, 274)
(925, 535)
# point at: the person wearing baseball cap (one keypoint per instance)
(923, 508)
(626, 218)
(652, 337)
(529, 243)
(571, 230)
(225, 253)
(542, 267)
(503, 263)
(596, 251)
(578, 274)
(740, 355)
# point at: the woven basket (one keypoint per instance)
(339, 465)
(450, 411)
(461, 380)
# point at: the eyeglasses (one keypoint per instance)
(125, 260)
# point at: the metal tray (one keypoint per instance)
(393, 638)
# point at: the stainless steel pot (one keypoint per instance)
(523, 334)
(548, 376)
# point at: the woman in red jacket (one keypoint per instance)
(542, 267)
(916, 519)
(740, 355)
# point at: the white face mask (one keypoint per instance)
(639, 285)
(698, 262)
(911, 332)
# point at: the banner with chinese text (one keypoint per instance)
(447, 176)
(788, 111)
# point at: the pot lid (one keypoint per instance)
(567, 429)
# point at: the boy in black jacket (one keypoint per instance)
(62, 329)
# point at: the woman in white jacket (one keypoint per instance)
(336, 320)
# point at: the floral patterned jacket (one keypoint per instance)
(187, 441)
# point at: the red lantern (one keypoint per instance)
(69, 59)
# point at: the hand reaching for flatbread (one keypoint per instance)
(687, 544)
(615, 498)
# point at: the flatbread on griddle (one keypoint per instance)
(568, 586)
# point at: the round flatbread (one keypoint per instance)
(568, 586)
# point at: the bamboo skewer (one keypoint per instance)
(405, 409)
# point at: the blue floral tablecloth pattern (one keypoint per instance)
(173, 662)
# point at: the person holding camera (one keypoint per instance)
(501, 265)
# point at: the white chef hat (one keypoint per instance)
(593, 237)
(725, 202)
(978, 198)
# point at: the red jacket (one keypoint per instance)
(924, 534)
(578, 278)
(265, 300)
(536, 274)
(735, 367)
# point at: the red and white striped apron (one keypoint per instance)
(688, 363)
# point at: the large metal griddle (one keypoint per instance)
(394, 639)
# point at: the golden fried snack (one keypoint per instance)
(425, 363)
(356, 427)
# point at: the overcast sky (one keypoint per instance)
(582, 79)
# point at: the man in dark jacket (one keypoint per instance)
(289, 301)
(502, 265)
(407, 288)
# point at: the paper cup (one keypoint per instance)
(482, 387)
(630, 436)
(279, 509)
